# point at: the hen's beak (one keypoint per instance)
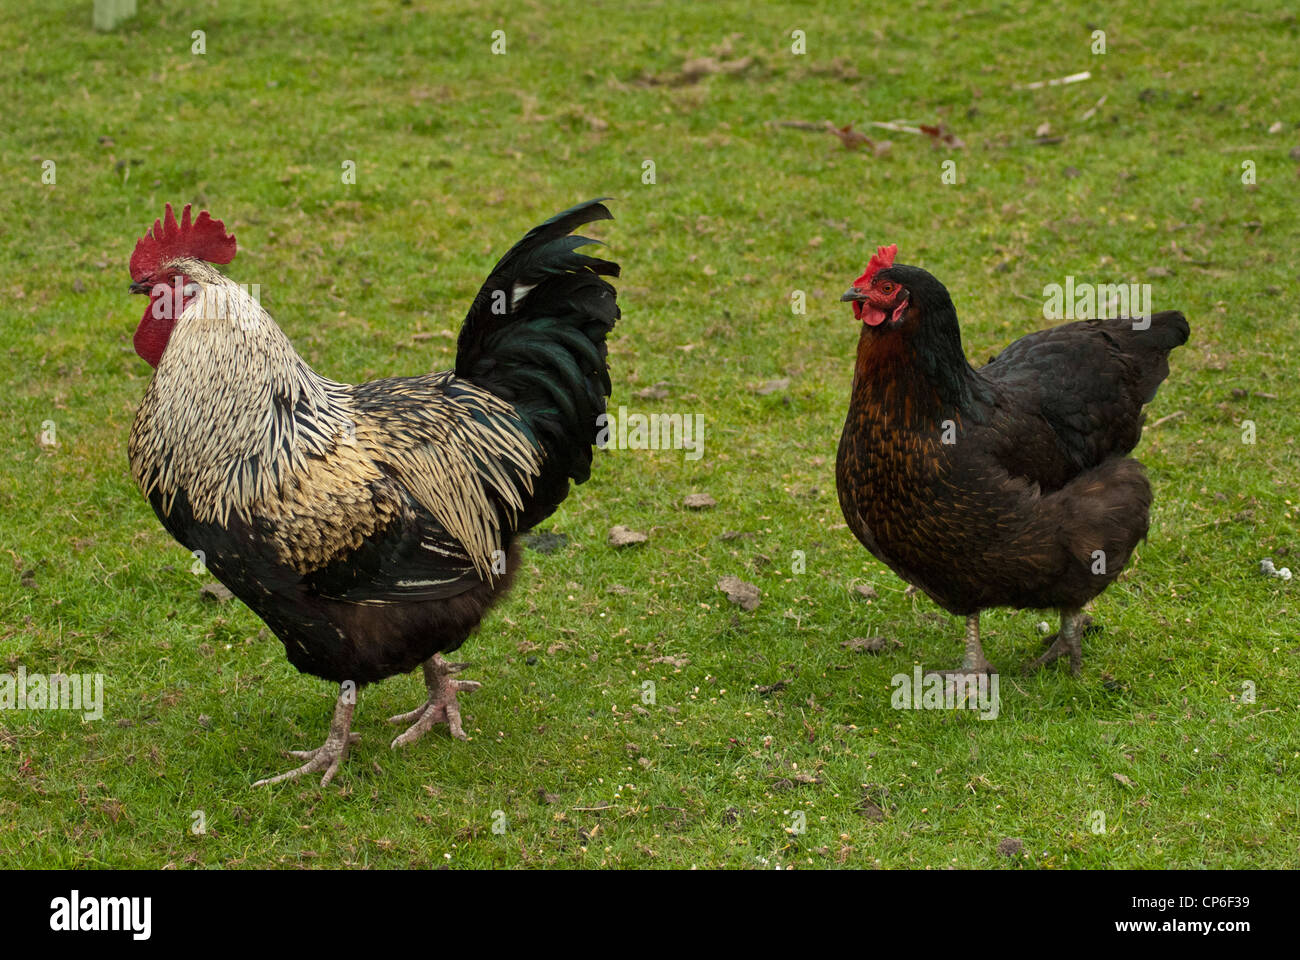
(853, 295)
(139, 287)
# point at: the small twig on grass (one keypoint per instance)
(939, 134)
(1165, 419)
(895, 126)
(850, 138)
(1088, 114)
(1017, 686)
(1059, 81)
(1251, 716)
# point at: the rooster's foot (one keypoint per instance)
(442, 705)
(329, 755)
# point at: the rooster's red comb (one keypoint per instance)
(883, 258)
(204, 239)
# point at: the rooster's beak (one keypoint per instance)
(853, 295)
(140, 288)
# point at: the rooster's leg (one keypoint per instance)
(441, 707)
(973, 661)
(331, 753)
(1069, 640)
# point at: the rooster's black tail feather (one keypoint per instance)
(535, 336)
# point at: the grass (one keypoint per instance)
(459, 151)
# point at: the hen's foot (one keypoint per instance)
(973, 663)
(442, 705)
(1068, 642)
(1086, 626)
(329, 755)
(974, 670)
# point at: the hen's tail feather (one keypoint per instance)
(1150, 345)
(535, 336)
(1170, 329)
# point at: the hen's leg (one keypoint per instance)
(331, 753)
(1069, 640)
(441, 707)
(973, 661)
(1085, 627)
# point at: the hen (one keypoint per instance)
(1007, 486)
(370, 526)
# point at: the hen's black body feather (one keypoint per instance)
(1000, 486)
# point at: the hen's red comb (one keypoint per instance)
(204, 239)
(883, 258)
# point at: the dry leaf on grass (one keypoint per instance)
(699, 501)
(869, 644)
(745, 595)
(215, 592)
(621, 536)
(772, 386)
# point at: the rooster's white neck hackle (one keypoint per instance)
(240, 424)
(232, 407)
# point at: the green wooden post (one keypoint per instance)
(109, 13)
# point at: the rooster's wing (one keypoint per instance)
(456, 465)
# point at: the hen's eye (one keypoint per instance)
(886, 287)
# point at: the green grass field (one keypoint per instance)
(757, 716)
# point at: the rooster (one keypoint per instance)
(1007, 486)
(370, 526)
